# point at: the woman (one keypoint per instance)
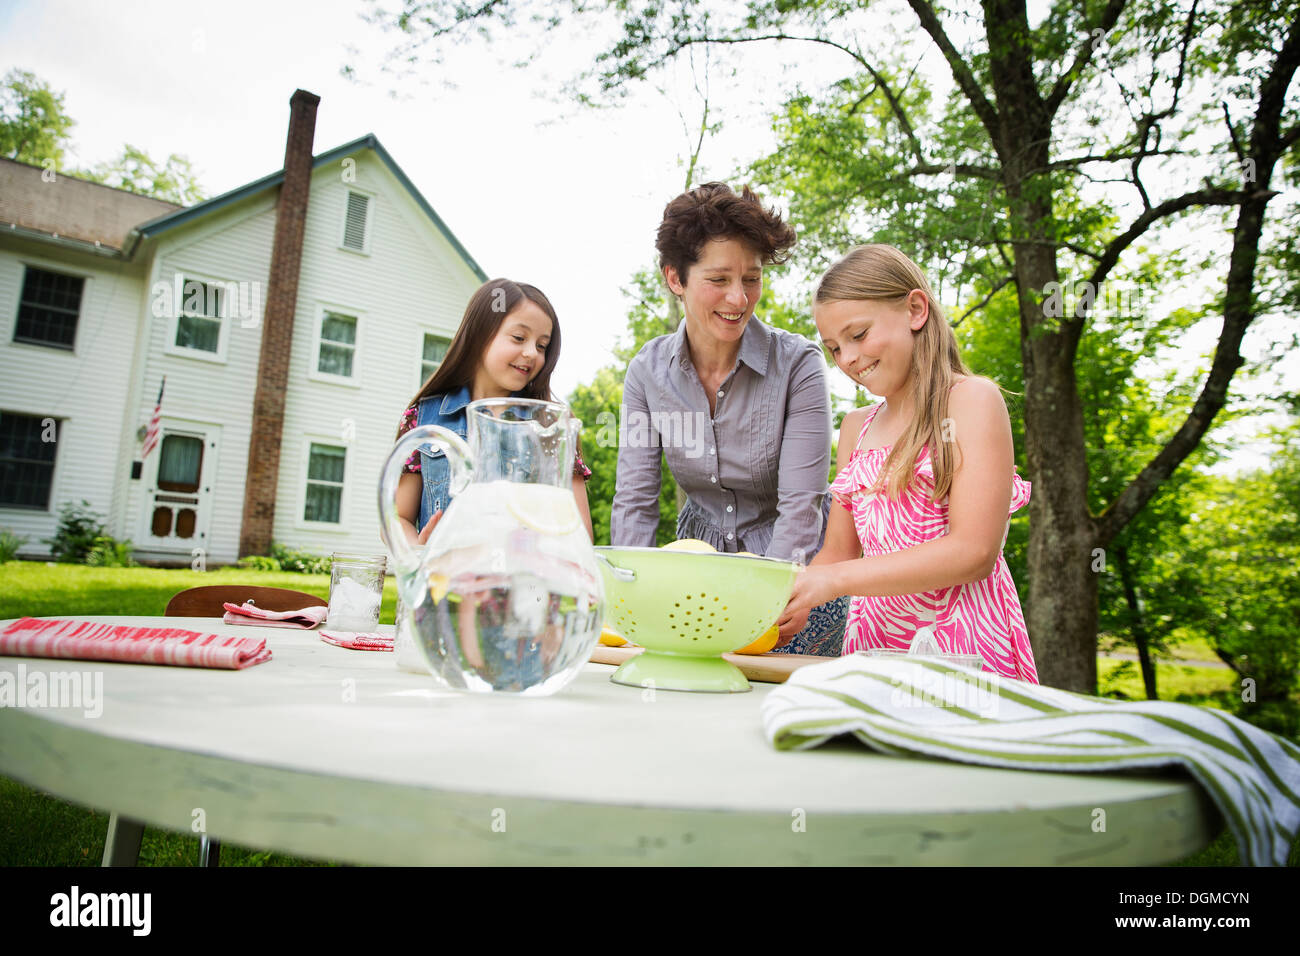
(740, 411)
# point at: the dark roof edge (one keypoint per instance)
(64, 242)
(180, 217)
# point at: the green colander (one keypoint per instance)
(687, 609)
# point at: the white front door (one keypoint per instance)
(178, 477)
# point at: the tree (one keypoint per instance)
(994, 200)
(34, 125)
(1147, 592)
(173, 180)
(994, 187)
(34, 129)
(654, 311)
(1246, 540)
(599, 405)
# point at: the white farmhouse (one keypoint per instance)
(292, 318)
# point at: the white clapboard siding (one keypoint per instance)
(405, 280)
(233, 245)
(87, 388)
(409, 280)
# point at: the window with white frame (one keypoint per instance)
(200, 312)
(355, 220)
(435, 350)
(324, 492)
(27, 451)
(48, 308)
(338, 344)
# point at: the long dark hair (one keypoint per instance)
(487, 309)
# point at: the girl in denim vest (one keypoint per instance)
(507, 346)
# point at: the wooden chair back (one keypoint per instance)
(207, 601)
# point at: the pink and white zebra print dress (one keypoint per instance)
(982, 617)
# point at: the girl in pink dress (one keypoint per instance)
(926, 478)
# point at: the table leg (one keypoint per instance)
(209, 852)
(122, 845)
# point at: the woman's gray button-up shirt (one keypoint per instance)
(755, 472)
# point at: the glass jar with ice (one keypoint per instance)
(356, 590)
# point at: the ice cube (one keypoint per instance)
(353, 606)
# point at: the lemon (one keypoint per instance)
(765, 642)
(611, 638)
(438, 584)
(690, 544)
(544, 508)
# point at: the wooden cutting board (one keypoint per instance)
(766, 668)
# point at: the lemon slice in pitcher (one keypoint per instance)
(544, 508)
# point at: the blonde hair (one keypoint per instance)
(883, 272)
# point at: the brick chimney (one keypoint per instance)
(277, 328)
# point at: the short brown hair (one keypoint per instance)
(714, 211)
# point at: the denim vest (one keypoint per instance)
(447, 410)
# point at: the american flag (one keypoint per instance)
(151, 436)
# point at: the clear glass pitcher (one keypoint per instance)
(506, 595)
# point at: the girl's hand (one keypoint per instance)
(812, 586)
(789, 625)
(428, 528)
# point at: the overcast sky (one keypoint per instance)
(536, 188)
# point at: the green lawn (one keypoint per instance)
(1178, 681)
(1182, 647)
(40, 830)
(37, 589)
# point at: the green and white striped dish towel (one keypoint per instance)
(928, 707)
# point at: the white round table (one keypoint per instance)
(329, 753)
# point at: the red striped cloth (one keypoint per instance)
(358, 640)
(249, 613)
(84, 641)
